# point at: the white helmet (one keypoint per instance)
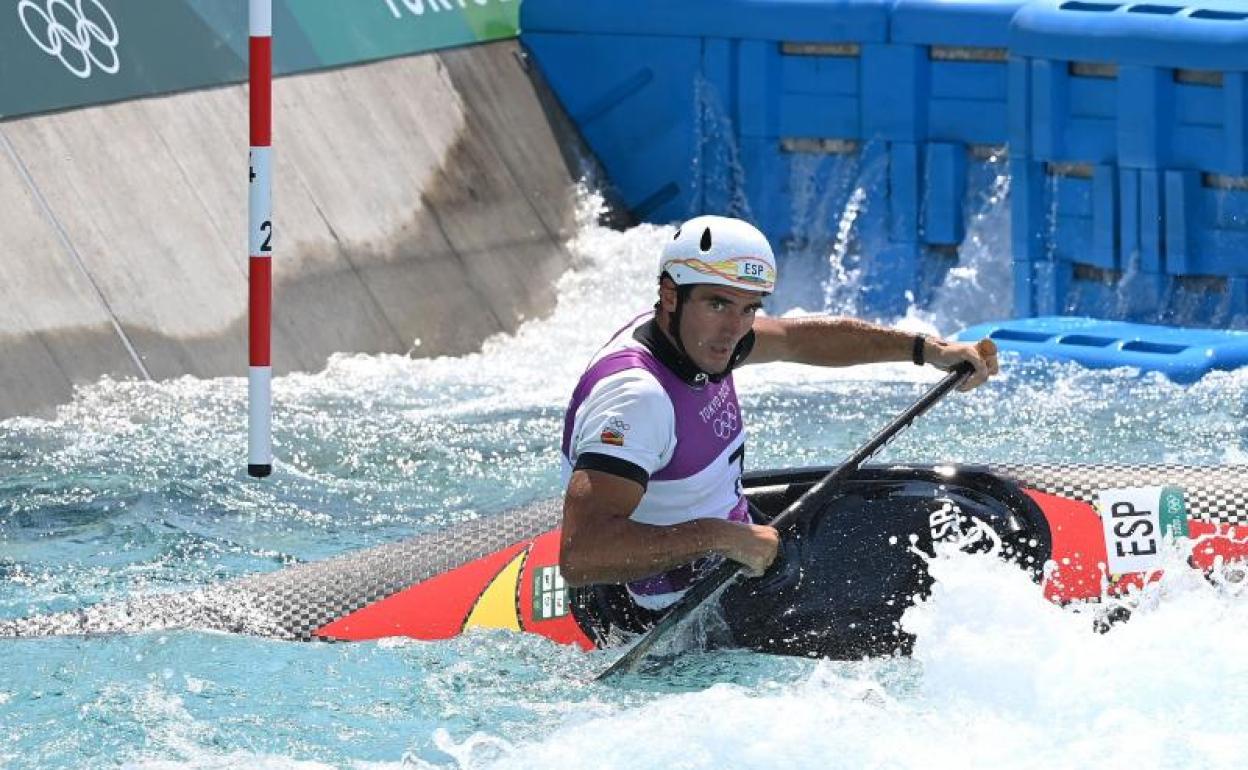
(720, 250)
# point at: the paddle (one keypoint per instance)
(805, 504)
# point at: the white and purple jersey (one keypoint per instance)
(643, 411)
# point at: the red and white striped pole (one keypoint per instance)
(260, 237)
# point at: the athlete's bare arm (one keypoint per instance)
(835, 341)
(600, 544)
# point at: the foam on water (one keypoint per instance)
(137, 487)
(1000, 678)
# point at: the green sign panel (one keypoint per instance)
(1173, 512)
(56, 54)
(342, 33)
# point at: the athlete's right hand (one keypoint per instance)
(754, 546)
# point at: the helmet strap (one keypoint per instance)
(673, 318)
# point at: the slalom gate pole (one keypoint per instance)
(260, 240)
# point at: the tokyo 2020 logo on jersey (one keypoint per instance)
(81, 33)
(726, 423)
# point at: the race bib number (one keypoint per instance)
(1136, 521)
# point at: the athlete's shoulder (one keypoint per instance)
(626, 415)
(631, 388)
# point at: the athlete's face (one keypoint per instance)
(713, 321)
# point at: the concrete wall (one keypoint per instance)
(424, 198)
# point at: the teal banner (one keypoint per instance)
(59, 54)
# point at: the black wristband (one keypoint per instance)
(917, 352)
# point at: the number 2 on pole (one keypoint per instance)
(266, 227)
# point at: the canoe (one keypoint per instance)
(1084, 532)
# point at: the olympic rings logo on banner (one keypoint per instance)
(79, 35)
(726, 424)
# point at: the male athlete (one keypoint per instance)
(654, 441)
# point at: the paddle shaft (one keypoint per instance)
(808, 502)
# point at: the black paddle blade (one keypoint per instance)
(630, 662)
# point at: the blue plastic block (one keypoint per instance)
(1019, 113)
(1105, 228)
(1152, 222)
(766, 176)
(893, 271)
(954, 113)
(819, 21)
(1206, 228)
(1041, 288)
(1024, 288)
(1145, 100)
(1129, 216)
(1067, 212)
(650, 161)
(796, 198)
(1219, 246)
(809, 96)
(943, 193)
(1148, 85)
(1074, 218)
(664, 93)
(758, 71)
(978, 23)
(1235, 98)
(1049, 105)
(904, 169)
(1180, 202)
(960, 66)
(1028, 216)
(892, 92)
(1181, 354)
(1089, 126)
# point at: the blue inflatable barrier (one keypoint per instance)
(1183, 355)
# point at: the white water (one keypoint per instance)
(1000, 679)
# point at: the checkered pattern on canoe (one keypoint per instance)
(304, 598)
(294, 602)
(1213, 493)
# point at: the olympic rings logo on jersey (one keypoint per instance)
(79, 35)
(726, 423)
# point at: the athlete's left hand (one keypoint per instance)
(982, 355)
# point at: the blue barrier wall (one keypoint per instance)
(937, 96)
(1128, 157)
(1125, 123)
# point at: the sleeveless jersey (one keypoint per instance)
(642, 411)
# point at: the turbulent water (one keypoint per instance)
(140, 487)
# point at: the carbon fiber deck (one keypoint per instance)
(1213, 493)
